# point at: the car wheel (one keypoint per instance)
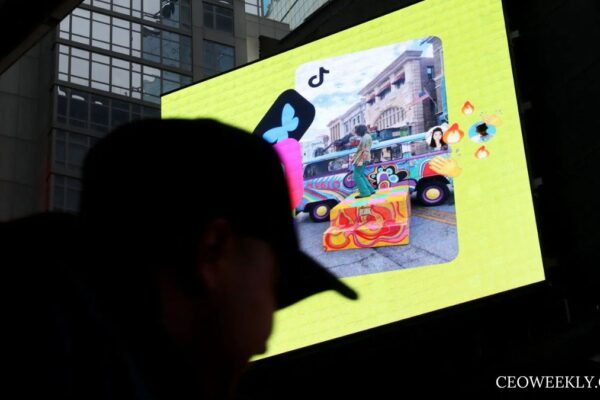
(432, 192)
(319, 212)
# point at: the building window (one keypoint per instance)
(80, 26)
(384, 93)
(390, 118)
(176, 50)
(120, 80)
(430, 72)
(100, 72)
(254, 7)
(400, 82)
(151, 84)
(119, 113)
(185, 52)
(115, 75)
(151, 44)
(98, 113)
(105, 4)
(78, 109)
(175, 13)
(61, 105)
(122, 36)
(101, 31)
(99, 116)
(65, 193)
(65, 28)
(218, 18)
(335, 132)
(217, 57)
(70, 149)
(122, 6)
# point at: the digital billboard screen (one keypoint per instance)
(403, 151)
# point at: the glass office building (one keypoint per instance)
(292, 12)
(107, 63)
(114, 60)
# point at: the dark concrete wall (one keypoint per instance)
(24, 23)
(25, 90)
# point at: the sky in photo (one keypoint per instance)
(348, 74)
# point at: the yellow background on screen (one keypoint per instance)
(497, 238)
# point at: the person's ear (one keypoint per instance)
(214, 244)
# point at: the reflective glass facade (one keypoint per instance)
(292, 12)
(129, 38)
(115, 75)
(172, 13)
(114, 59)
(107, 63)
(217, 57)
(78, 109)
(218, 17)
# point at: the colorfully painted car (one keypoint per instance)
(405, 160)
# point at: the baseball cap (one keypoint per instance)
(154, 181)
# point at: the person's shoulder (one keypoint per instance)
(39, 314)
(32, 241)
(37, 253)
(43, 220)
(40, 220)
(42, 239)
(52, 320)
(39, 256)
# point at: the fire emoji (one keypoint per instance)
(453, 135)
(468, 108)
(482, 153)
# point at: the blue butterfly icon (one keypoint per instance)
(289, 123)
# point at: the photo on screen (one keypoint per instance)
(432, 89)
(397, 93)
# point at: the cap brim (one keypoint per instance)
(302, 277)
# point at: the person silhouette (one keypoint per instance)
(176, 271)
(360, 159)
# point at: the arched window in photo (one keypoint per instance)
(391, 117)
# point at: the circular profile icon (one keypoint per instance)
(434, 137)
(481, 132)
